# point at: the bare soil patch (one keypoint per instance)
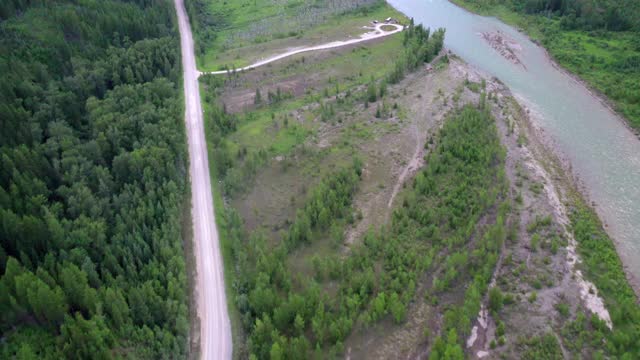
(297, 75)
(537, 272)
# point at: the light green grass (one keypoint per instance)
(227, 50)
(256, 128)
(346, 69)
(355, 67)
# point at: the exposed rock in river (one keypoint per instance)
(507, 47)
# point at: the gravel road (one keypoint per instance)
(215, 328)
(376, 32)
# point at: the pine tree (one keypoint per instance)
(276, 352)
(86, 339)
(257, 100)
(371, 91)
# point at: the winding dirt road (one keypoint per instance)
(215, 328)
(377, 32)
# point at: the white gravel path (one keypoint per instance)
(375, 33)
(215, 328)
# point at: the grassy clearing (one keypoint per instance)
(279, 128)
(348, 69)
(250, 30)
(284, 132)
(271, 129)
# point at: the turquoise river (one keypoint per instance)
(602, 151)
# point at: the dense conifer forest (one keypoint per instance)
(93, 174)
(614, 15)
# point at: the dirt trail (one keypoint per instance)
(215, 329)
(376, 33)
(416, 163)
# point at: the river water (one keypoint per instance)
(602, 151)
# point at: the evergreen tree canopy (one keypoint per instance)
(92, 180)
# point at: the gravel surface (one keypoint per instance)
(375, 33)
(215, 328)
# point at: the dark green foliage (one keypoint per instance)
(580, 334)
(327, 112)
(463, 180)
(240, 176)
(92, 180)
(86, 339)
(205, 23)
(372, 94)
(451, 350)
(562, 308)
(614, 15)
(544, 347)
(397, 308)
(378, 279)
(277, 314)
(329, 200)
(222, 122)
(278, 96)
(257, 99)
(495, 299)
(420, 46)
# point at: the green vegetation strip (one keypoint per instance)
(603, 267)
(288, 314)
